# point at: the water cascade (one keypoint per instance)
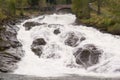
(51, 43)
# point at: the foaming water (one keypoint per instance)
(63, 61)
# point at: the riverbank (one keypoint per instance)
(108, 20)
(104, 24)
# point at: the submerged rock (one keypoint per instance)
(37, 46)
(87, 55)
(73, 40)
(29, 25)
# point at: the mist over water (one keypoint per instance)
(63, 62)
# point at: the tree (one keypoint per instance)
(33, 3)
(21, 4)
(81, 8)
(10, 7)
(52, 1)
(68, 1)
(99, 6)
(42, 3)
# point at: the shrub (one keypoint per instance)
(115, 29)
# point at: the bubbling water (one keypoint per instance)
(57, 58)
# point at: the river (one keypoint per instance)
(57, 65)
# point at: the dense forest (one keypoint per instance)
(103, 14)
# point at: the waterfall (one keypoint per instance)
(57, 58)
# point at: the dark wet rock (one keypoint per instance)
(57, 31)
(73, 40)
(29, 25)
(39, 41)
(37, 46)
(10, 48)
(87, 55)
(37, 50)
(82, 38)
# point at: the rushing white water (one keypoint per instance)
(64, 62)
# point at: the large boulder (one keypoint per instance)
(87, 55)
(10, 48)
(73, 40)
(57, 31)
(37, 46)
(29, 25)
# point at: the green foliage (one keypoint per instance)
(60, 1)
(80, 8)
(8, 7)
(12, 7)
(115, 29)
(2, 16)
(42, 3)
(108, 20)
(33, 2)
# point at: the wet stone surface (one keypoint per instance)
(37, 46)
(29, 25)
(10, 48)
(73, 40)
(88, 55)
(57, 31)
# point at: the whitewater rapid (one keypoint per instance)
(64, 61)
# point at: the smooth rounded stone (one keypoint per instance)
(57, 31)
(29, 25)
(87, 55)
(37, 46)
(73, 40)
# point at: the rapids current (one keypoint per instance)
(64, 62)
